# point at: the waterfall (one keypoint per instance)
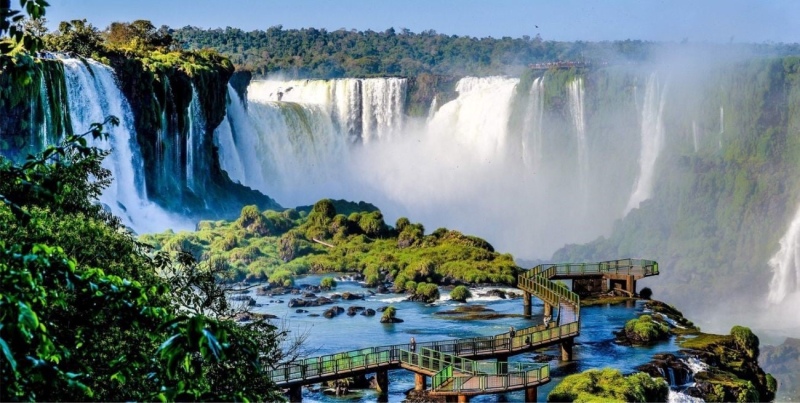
(93, 94)
(575, 91)
(364, 109)
(302, 140)
(194, 141)
(434, 107)
(478, 118)
(652, 137)
(288, 149)
(229, 157)
(785, 264)
(532, 144)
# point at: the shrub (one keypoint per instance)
(248, 215)
(428, 291)
(460, 294)
(745, 340)
(327, 283)
(280, 277)
(401, 224)
(372, 280)
(400, 282)
(389, 313)
(609, 385)
(322, 213)
(411, 286)
(645, 330)
(646, 293)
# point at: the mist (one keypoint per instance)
(656, 160)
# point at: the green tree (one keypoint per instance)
(92, 319)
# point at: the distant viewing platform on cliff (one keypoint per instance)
(564, 65)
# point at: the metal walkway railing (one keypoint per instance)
(449, 361)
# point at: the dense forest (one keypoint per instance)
(319, 53)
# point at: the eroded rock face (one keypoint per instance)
(669, 367)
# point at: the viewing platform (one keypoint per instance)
(461, 368)
(561, 65)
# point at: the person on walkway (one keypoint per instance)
(512, 332)
(413, 344)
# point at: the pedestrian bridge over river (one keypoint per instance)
(461, 368)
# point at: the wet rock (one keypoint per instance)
(353, 310)
(495, 293)
(301, 311)
(391, 320)
(297, 302)
(332, 312)
(350, 296)
(368, 312)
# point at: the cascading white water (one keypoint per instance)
(575, 90)
(365, 109)
(532, 145)
(785, 264)
(94, 95)
(229, 156)
(478, 117)
(288, 150)
(294, 143)
(652, 137)
(194, 141)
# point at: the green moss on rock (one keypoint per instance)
(608, 385)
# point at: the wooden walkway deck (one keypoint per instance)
(454, 365)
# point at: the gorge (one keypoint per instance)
(689, 163)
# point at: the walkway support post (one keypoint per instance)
(526, 303)
(566, 349)
(382, 378)
(295, 394)
(463, 399)
(630, 285)
(531, 394)
(419, 382)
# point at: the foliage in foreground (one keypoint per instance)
(608, 385)
(271, 244)
(83, 313)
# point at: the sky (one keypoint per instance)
(719, 21)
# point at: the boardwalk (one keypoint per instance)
(455, 366)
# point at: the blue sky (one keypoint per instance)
(658, 20)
